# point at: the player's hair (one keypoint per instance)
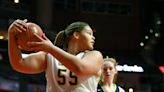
(62, 37)
(113, 60)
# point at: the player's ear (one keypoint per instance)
(76, 35)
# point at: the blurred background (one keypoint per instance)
(132, 31)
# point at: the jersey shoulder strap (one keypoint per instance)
(117, 89)
(99, 88)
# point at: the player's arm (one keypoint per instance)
(29, 64)
(90, 64)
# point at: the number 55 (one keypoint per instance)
(62, 79)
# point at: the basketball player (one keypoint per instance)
(75, 69)
(109, 71)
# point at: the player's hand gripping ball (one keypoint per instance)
(29, 36)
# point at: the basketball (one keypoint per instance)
(29, 36)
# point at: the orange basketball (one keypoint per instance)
(28, 36)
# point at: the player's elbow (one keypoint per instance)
(16, 68)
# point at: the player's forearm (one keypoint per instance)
(70, 61)
(14, 52)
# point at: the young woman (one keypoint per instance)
(109, 71)
(75, 69)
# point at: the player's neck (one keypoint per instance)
(72, 48)
(108, 81)
(73, 51)
(108, 87)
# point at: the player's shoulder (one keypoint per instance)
(121, 89)
(94, 52)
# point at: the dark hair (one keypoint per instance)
(63, 36)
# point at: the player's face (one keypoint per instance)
(108, 69)
(86, 39)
